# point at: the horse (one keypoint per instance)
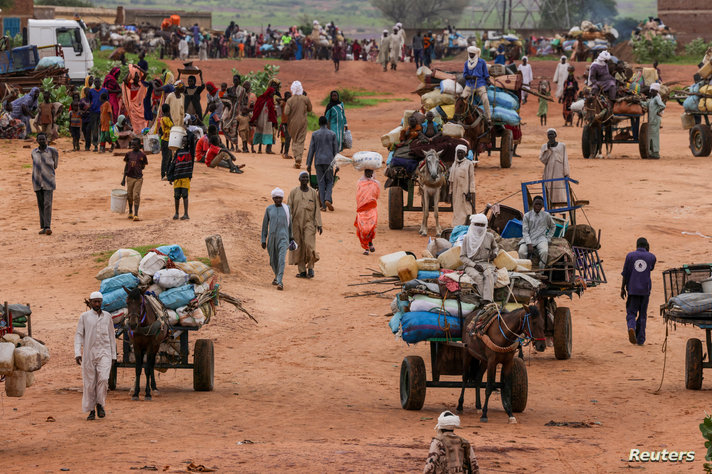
(474, 123)
(432, 176)
(496, 344)
(146, 332)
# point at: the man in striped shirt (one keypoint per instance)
(44, 162)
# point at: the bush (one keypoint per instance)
(59, 94)
(259, 80)
(697, 48)
(655, 49)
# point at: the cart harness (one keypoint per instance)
(523, 336)
(151, 330)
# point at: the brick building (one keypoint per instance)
(690, 19)
(14, 19)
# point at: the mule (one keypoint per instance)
(146, 332)
(473, 120)
(432, 176)
(498, 345)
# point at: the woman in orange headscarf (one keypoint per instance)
(367, 194)
(133, 91)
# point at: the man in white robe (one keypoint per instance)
(537, 230)
(527, 77)
(95, 334)
(462, 187)
(560, 76)
(556, 165)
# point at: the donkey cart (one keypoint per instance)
(446, 358)
(686, 303)
(174, 354)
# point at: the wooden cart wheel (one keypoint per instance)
(701, 140)
(112, 377)
(395, 208)
(412, 383)
(203, 365)
(591, 141)
(520, 385)
(562, 333)
(505, 149)
(643, 142)
(693, 364)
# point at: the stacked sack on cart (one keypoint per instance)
(187, 290)
(20, 358)
(435, 293)
(699, 96)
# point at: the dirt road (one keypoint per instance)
(314, 386)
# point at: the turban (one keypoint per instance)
(297, 88)
(179, 82)
(385, 32)
(460, 147)
(524, 58)
(447, 421)
(277, 192)
(551, 130)
(655, 86)
(96, 296)
(473, 50)
(303, 173)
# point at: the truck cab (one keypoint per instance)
(78, 56)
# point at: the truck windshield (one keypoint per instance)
(70, 38)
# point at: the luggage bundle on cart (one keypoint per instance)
(688, 300)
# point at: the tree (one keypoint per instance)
(423, 13)
(553, 12)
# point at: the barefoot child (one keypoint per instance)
(75, 122)
(106, 115)
(367, 193)
(166, 125)
(179, 174)
(136, 161)
(543, 102)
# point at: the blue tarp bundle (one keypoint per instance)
(115, 283)
(177, 297)
(420, 325)
(114, 300)
(174, 252)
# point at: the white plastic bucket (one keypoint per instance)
(706, 285)
(118, 200)
(151, 144)
(176, 139)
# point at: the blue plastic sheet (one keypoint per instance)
(114, 300)
(118, 282)
(419, 326)
(174, 252)
(177, 297)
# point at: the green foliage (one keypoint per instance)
(58, 94)
(259, 79)
(353, 99)
(697, 48)
(655, 49)
(706, 429)
(65, 3)
(554, 17)
(312, 121)
(422, 13)
(102, 64)
(101, 257)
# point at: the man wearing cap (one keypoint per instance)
(556, 165)
(656, 106)
(462, 186)
(95, 334)
(527, 77)
(448, 451)
(537, 230)
(306, 221)
(476, 80)
(277, 235)
(384, 48)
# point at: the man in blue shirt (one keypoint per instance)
(636, 284)
(476, 79)
(322, 150)
(94, 94)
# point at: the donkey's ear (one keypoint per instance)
(440, 153)
(126, 289)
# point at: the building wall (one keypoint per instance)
(22, 9)
(155, 17)
(690, 19)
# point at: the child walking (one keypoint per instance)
(544, 90)
(166, 125)
(75, 122)
(179, 174)
(107, 114)
(136, 161)
(45, 116)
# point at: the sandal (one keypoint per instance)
(366, 252)
(280, 287)
(371, 248)
(302, 275)
(274, 282)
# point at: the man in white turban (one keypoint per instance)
(462, 186)
(477, 79)
(306, 221)
(95, 351)
(656, 106)
(556, 165)
(297, 108)
(560, 76)
(478, 250)
(527, 76)
(448, 451)
(600, 78)
(384, 48)
(277, 235)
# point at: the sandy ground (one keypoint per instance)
(314, 386)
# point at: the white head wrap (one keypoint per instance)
(564, 58)
(303, 173)
(473, 50)
(447, 421)
(179, 82)
(458, 148)
(96, 296)
(297, 88)
(551, 130)
(655, 86)
(603, 57)
(524, 58)
(472, 62)
(385, 31)
(277, 192)
(475, 234)
(399, 25)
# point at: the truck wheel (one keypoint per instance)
(693, 364)
(395, 208)
(203, 365)
(590, 141)
(412, 383)
(520, 385)
(701, 140)
(562, 333)
(112, 377)
(643, 142)
(505, 151)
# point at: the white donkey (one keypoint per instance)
(432, 176)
